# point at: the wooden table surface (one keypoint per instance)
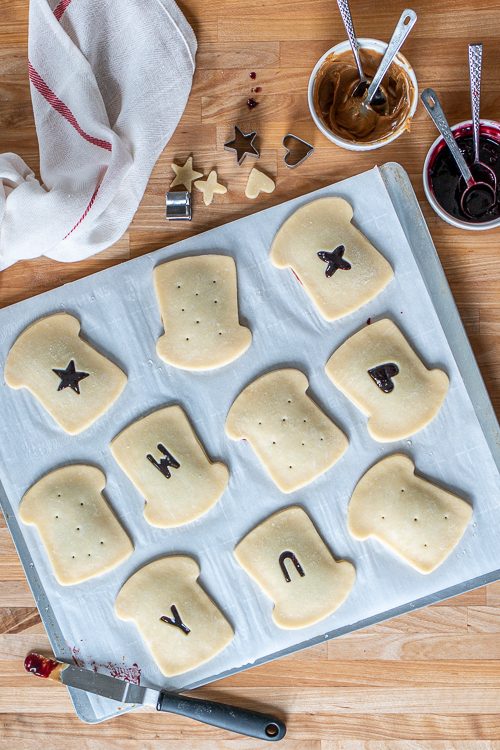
(429, 680)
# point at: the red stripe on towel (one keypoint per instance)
(63, 109)
(89, 206)
(60, 8)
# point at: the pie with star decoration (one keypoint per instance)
(50, 360)
(70, 378)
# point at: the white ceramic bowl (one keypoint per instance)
(378, 46)
(491, 128)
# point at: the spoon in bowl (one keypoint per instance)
(481, 170)
(403, 27)
(345, 12)
(478, 195)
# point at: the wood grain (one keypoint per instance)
(426, 681)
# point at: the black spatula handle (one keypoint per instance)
(232, 718)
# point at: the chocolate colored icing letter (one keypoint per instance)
(177, 620)
(334, 261)
(165, 463)
(382, 375)
(287, 555)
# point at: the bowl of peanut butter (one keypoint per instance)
(342, 115)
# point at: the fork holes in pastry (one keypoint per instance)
(58, 494)
(446, 518)
(78, 528)
(304, 420)
(214, 282)
(102, 542)
(81, 503)
(274, 442)
(290, 467)
(415, 519)
(197, 322)
(57, 516)
(383, 518)
(402, 490)
(215, 301)
(220, 333)
(187, 338)
(72, 557)
(289, 401)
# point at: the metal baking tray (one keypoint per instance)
(405, 203)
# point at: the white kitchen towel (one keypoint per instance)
(109, 82)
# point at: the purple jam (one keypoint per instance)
(447, 183)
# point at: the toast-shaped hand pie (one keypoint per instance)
(73, 382)
(198, 299)
(286, 556)
(164, 459)
(80, 533)
(179, 623)
(292, 437)
(416, 519)
(379, 372)
(339, 269)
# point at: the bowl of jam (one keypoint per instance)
(339, 111)
(444, 185)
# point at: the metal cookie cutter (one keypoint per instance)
(243, 145)
(178, 206)
(297, 150)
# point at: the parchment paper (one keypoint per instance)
(119, 315)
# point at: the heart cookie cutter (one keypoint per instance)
(289, 140)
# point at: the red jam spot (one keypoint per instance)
(257, 89)
(40, 665)
(251, 103)
(368, 321)
(253, 75)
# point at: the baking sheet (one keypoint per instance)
(119, 315)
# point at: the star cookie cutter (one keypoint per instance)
(243, 145)
(297, 150)
(178, 206)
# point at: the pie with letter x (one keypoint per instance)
(338, 267)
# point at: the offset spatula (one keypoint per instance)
(232, 718)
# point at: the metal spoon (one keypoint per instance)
(481, 171)
(478, 196)
(345, 12)
(403, 28)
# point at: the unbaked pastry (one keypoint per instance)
(416, 519)
(162, 456)
(73, 382)
(210, 187)
(292, 437)
(198, 300)
(379, 372)
(179, 623)
(286, 556)
(257, 183)
(80, 533)
(339, 269)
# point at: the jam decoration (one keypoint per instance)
(382, 375)
(251, 103)
(176, 621)
(39, 665)
(70, 377)
(334, 261)
(164, 464)
(287, 555)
